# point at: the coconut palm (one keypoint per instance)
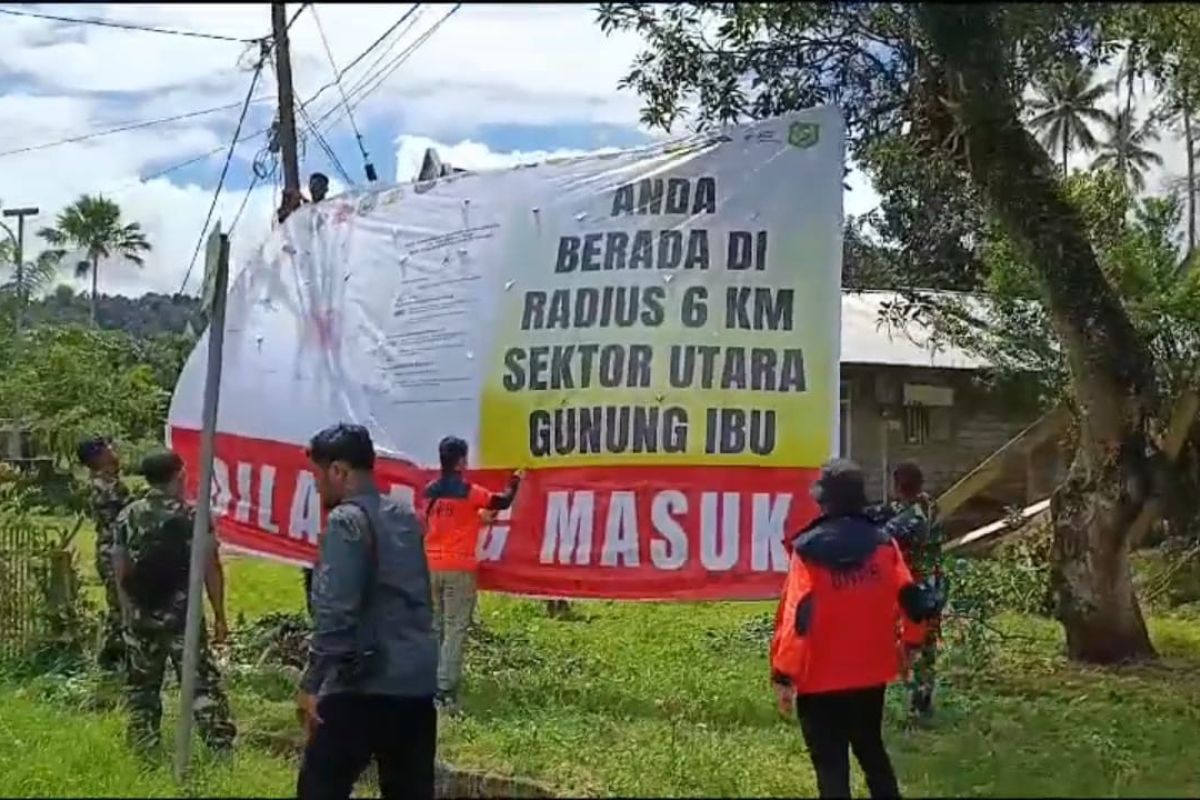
(92, 226)
(1125, 149)
(1065, 105)
(26, 279)
(1177, 111)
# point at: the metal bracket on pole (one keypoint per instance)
(219, 250)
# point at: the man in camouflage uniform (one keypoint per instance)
(151, 556)
(108, 496)
(911, 519)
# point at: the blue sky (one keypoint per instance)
(490, 86)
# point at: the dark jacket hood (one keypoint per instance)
(841, 542)
(449, 485)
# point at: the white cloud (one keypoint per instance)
(489, 64)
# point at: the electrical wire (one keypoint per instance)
(321, 142)
(337, 77)
(132, 126)
(392, 46)
(325, 146)
(358, 59)
(127, 26)
(370, 84)
(224, 171)
(242, 207)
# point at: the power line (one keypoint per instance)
(224, 171)
(246, 199)
(321, 142)
(325, 146)
(370, 84)
(127, 26)
(363, 54)
(338, 78)
(132, 126)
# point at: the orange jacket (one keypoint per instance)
(838, 625)
(454, 511)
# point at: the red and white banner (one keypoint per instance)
(652, 335)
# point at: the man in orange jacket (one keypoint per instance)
(837, 633)
(453, 507)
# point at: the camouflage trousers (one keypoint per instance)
(923, 673)
(148, 650)
(111, 653)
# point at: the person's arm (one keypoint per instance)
(919, 601)
(214, 585)
(337, 597)
(502, 501)
(793, 616)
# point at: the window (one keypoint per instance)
(916, 424)
(844, 421)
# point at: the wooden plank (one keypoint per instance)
(992, 468)
(999, 528)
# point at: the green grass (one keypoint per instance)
(50, 752)
(672, 700)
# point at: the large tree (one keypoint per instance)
(1066, 105)
(948, 82)
(92, 226)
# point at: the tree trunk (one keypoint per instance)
(95, 285)
(1066, 149)
(1111, 370)
(1090, 574)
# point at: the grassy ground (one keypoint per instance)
(671, 700)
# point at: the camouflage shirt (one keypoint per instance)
(108, 497)
(141, 529)
(918, 531)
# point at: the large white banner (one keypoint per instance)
(652, 334)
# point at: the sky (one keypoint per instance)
(491, 86)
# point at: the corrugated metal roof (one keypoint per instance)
(865, 340)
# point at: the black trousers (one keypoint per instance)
(400, 733)
(833, 724)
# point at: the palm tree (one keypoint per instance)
(1178, 111)
(32, 277)
(1065, 105)
(92, 225)
(1125, 149)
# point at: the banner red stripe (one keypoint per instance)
(637, 533)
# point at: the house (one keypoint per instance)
(903, 398)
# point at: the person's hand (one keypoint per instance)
(785, 699)
(306, 713)
(518, 475)
(220, 631)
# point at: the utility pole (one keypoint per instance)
(287, 112)
(20, 214)
(216, 275)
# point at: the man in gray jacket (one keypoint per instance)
(372, 667)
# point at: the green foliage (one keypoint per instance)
(67, 383)
(145, 316)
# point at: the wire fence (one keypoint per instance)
(24, 565)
